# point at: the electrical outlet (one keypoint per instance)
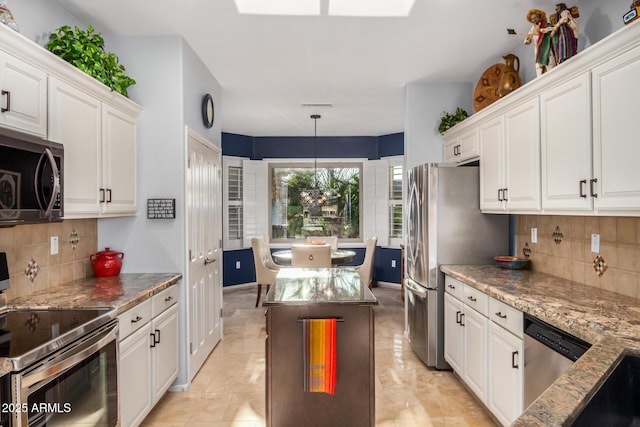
(393, 263)
(54, 245)
(534, 235)
(595, 243)
(237, 265)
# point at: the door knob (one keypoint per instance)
(208, 261)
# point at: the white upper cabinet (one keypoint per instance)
(24, 96)
(510, 160)
(566, 142)
(75, 121)
(119, 154)
(43, 95)
(462, 147)
(522, 138)
(492, 165)
(616, 102)
(566, 145)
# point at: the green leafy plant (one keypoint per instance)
(85, 50)
(447, 120)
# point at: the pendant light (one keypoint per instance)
(313, 198)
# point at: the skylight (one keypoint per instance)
(363, 8)
(370, 8)
(278, 7)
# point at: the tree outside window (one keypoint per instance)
(339, 215)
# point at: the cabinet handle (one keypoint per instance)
(504, 194)
(136, 320)
(153, 340)
(8, 107)
(156, 336)
(102, 198)
(593, 181)
(514, 359)
(451, 287)
(582, 193)
(108, 195)
(500, 315)
(500, 195)
(472, 298)
(458, 319)
(461, 319)
(167, 299)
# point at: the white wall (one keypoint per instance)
(424, 104)
(170, 83)
(39, 18)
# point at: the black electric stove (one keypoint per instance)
(28, 335)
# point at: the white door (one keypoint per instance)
(204, 241)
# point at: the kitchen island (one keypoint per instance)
(608, 321)
(301, 294)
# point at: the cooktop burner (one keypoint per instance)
(26, 336)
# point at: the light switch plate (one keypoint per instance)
(237, 265)
(534, 235)
(595, 243)
(393, 263)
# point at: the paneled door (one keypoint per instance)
(204, 241)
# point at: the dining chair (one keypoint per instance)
(331, 240)
(311, 256)
(365, 270)
(266, 269)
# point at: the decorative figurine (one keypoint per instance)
(565, 31)
(544, 45)
(6, 17)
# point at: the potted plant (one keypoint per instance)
(85, 50)
(447, 120)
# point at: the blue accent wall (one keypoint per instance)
(237, 145)
(327, 147)
(258, 148)
(391, 145)
(246, 274)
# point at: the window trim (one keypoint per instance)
(321, 163)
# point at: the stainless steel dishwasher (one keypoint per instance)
(548, 353)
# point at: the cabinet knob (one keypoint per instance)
(500, 315)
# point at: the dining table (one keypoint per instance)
(338, 257)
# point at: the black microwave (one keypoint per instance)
(31, 179)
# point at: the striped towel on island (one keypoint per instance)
(319, 355)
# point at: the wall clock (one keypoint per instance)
(208, 112)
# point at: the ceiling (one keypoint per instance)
(269, 66)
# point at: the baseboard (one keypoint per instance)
(389, 285)
(240, 286)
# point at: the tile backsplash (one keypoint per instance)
(32, 268)
(563, 249)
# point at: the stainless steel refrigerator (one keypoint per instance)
(444, 226)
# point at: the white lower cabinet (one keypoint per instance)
(483, 344)
(465, 342)
(506, 365)
(148, 355)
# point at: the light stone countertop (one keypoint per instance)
(608, 321)
(120, 292)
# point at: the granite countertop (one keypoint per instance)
(301, 286)
(608, 321)
(120, 292)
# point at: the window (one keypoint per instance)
(233, 210)
(395, 201)
(339, 215)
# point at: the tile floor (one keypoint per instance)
(229, 389)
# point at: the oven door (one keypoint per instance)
(77, 385)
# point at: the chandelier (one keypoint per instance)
(313, 198)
